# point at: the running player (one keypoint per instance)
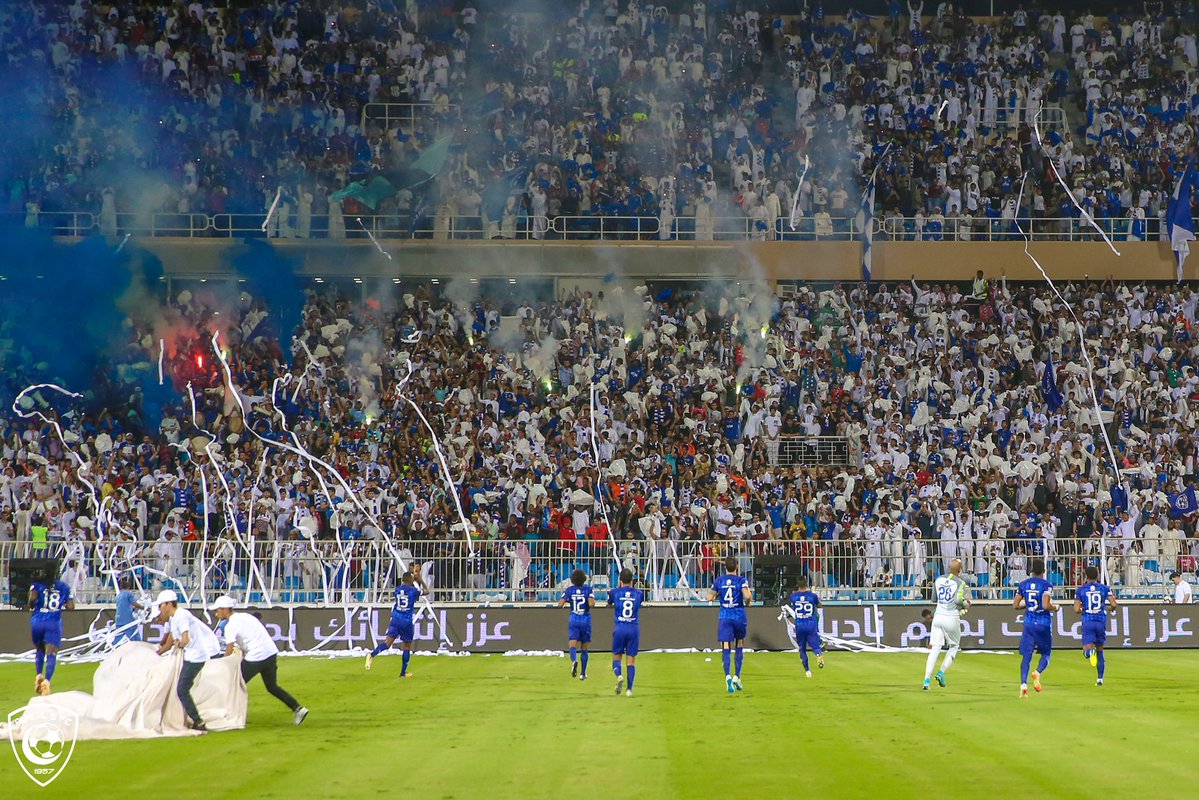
(804, 604)
(1035, 596)
(733, 593)
(952, 598)
(626, 635)
(401, 626)
(581, 600)
(47, 604)
(1093, 600)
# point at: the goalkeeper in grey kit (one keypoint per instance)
(953, 600)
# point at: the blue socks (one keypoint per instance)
(1044, 665)
(51, 663)
(725, 654)
(40, 661)
(1102, 664)
(803, 656)
(616, 667)
(407, 658)
(740, 661)
(632, 675)
(574, 654)
(379, 648)
(585, 654)
(1025, 662)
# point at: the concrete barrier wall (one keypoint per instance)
(500, 629)
(744, 261)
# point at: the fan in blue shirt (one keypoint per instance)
(1093, 600)
(47, 602)
(1035, 596)
(402, 626)
(581, 600)
(733, 593)
(626, 634)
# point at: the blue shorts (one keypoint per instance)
(810, 636)
(731, 630)
(46, 631)
(1037, 638)
(580, 631)
(626, 640)
(1094, 632)
(400, 628)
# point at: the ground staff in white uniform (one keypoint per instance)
(260, 655)
(953, 598)
(195, 639)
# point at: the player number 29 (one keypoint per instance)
(803, 608)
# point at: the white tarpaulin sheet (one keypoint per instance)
(134, 696)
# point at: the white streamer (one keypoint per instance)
(373, 239)
(795, 203)
(161, 350)
(445, 468)
(121, 246)
(599, 474)
(1082, 211)
(271, 211)
(1086, 354)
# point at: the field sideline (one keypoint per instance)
(499, 726)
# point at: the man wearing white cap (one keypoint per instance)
(260, 655)
(195, 639)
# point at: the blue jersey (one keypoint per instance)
(578, 600)
(805, 605)
(1032, 590)
(125, 601)
(1093, 596)
(626, 602)
(406, 597)
(730, 595)
(50, 602)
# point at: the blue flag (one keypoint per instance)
(1183, 503)
(1053, 398)
(865, 223)
(1179, 222)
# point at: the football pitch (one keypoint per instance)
(518, 726)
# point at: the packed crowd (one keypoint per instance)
(955, 448)
(684, 116)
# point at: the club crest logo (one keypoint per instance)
(42, 736)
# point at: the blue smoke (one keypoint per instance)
(271, 277)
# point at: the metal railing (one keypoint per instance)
(574, 228)
(520, 570)
(406, 115)
(832, 451)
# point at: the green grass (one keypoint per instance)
(495, 726)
